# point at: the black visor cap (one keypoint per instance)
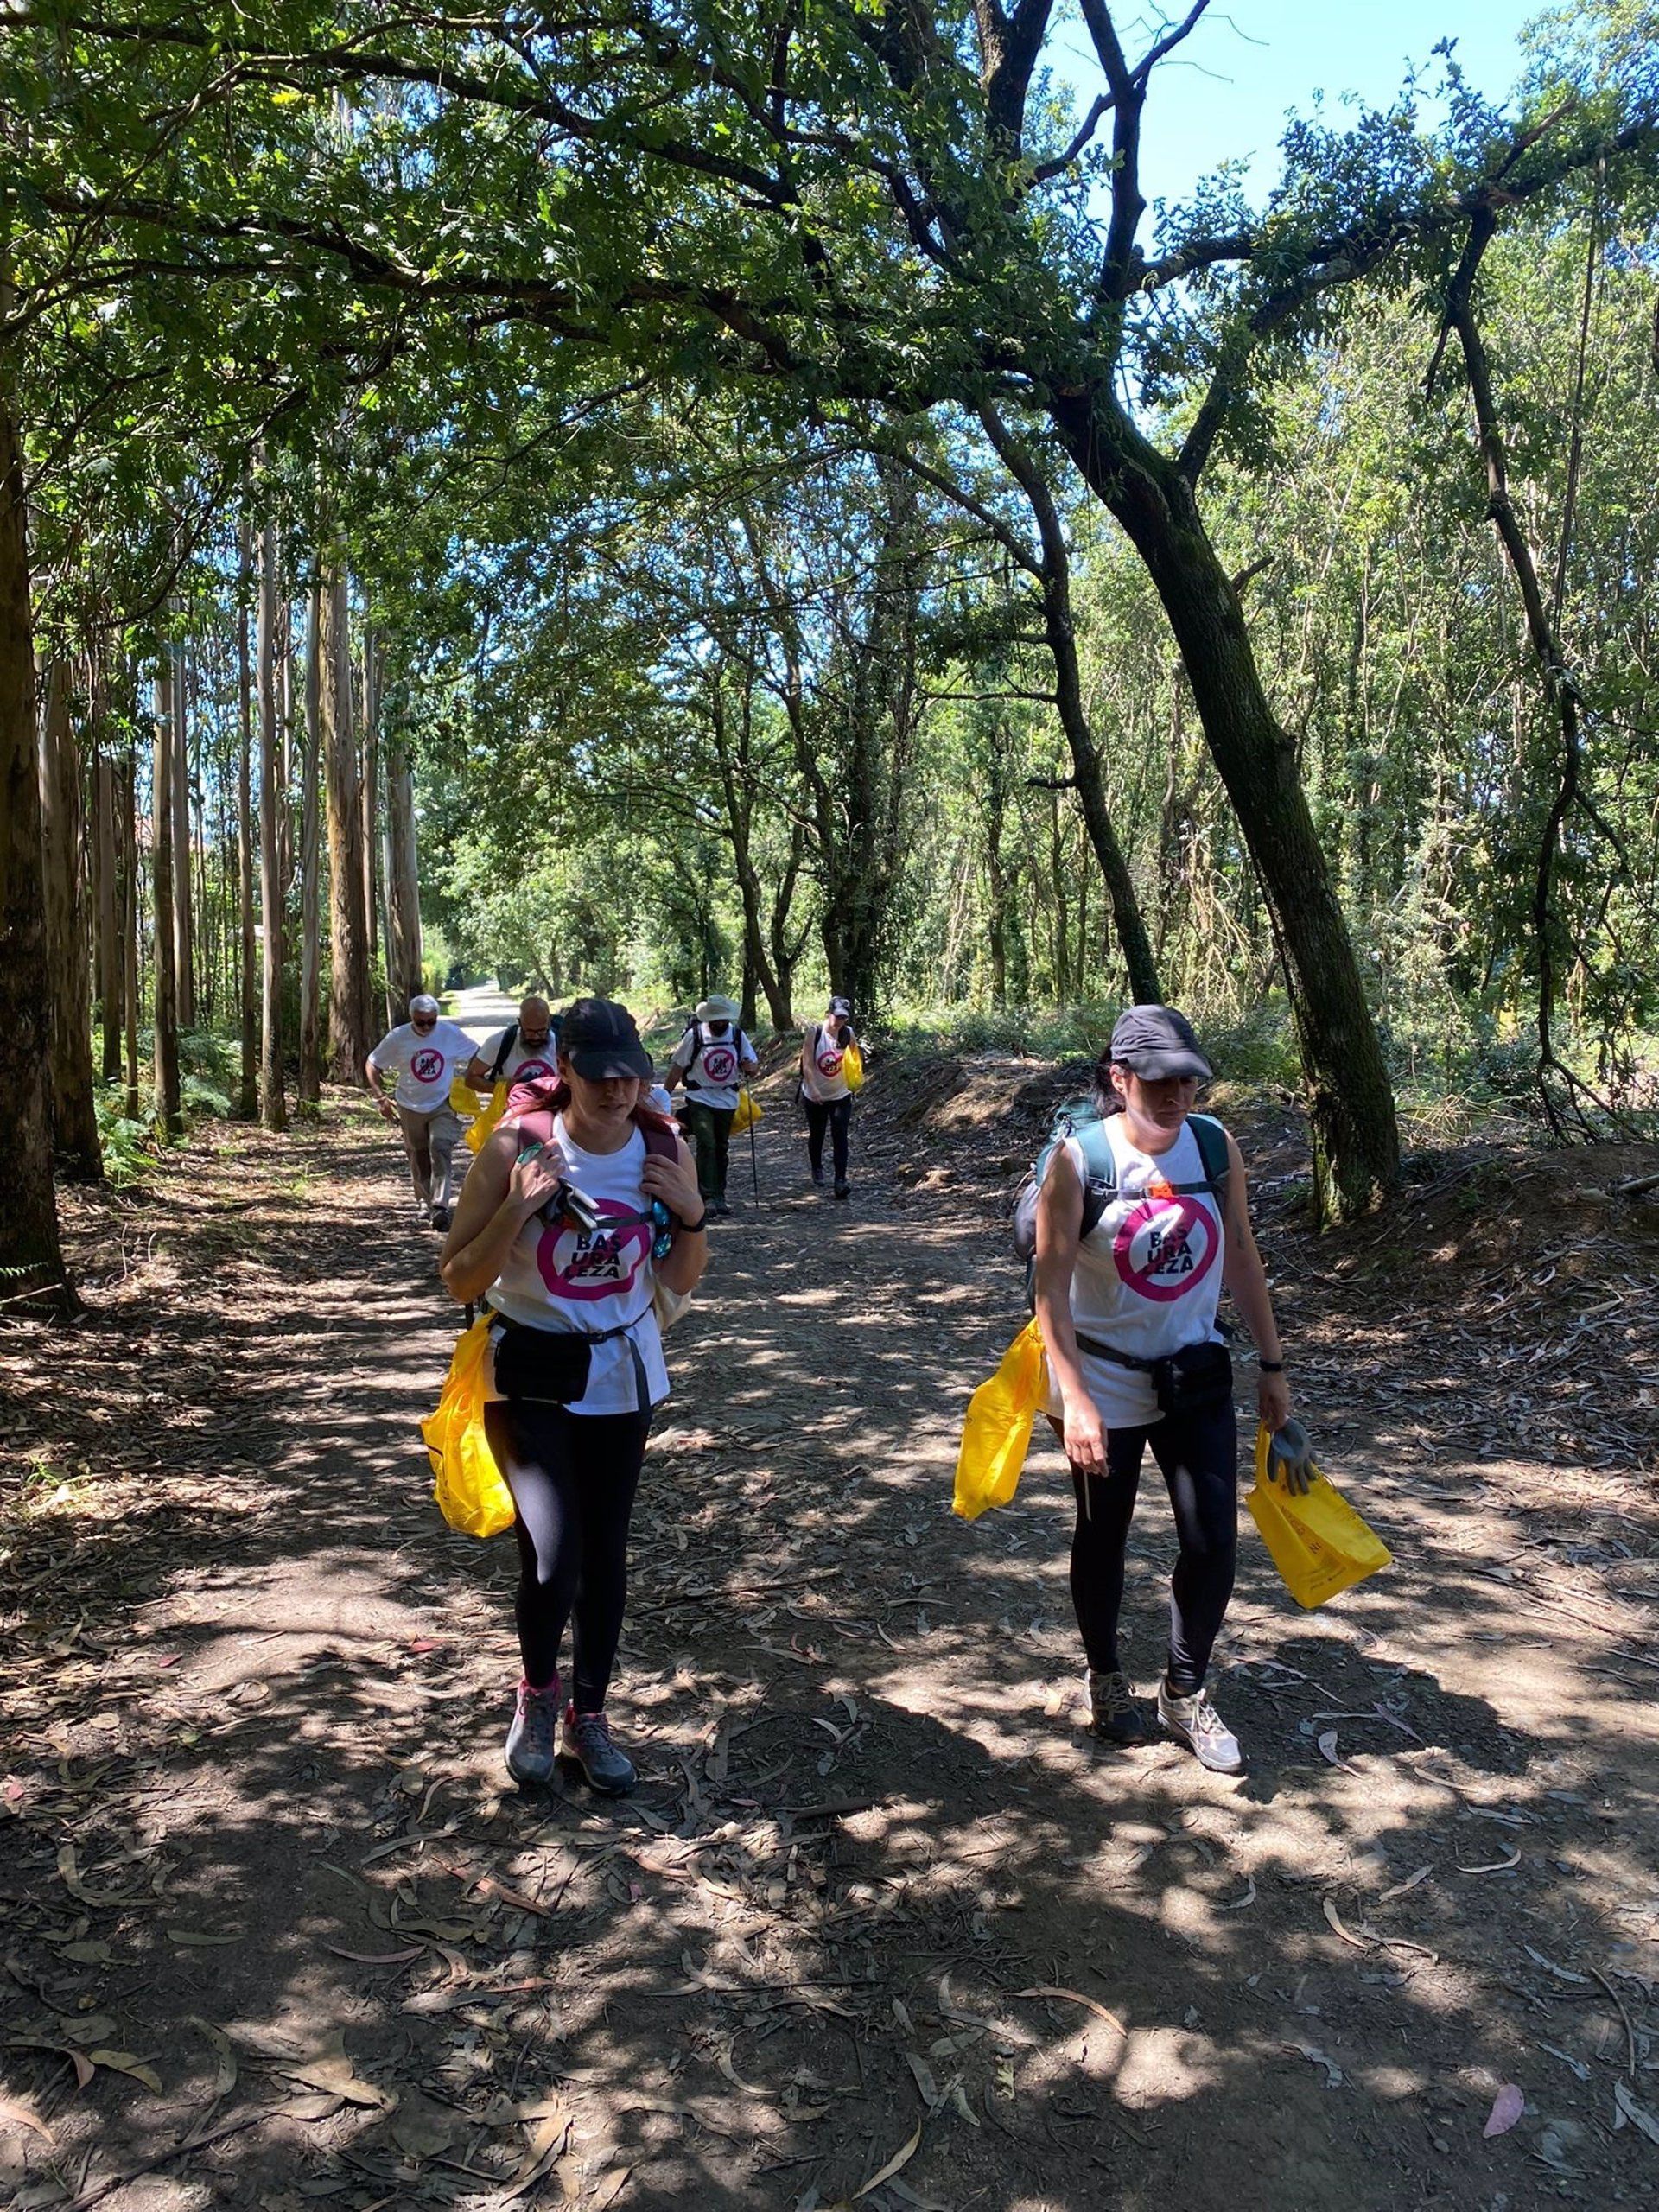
(1159, 1044)
(600, 1041)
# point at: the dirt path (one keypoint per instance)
(878, 1910)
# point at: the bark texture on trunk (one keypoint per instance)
(112, 964)
(273, 1106)
(129, 961)
(69, 1008)
(29, 1252)
(248, 1105)
(402, 882)
(184, 953)
(351, 1030)
(311, 861)
(169, 1110)
(1348, 1098)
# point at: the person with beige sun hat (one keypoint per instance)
(710, 1060)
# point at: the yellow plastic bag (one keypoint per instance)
(852, 1066)
(996, 1434)
(486, 1118)
(747, 1115)
(1319, 1543)
(463, 1099)
(471, 1496)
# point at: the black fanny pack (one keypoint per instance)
(1194, 1379)
(548, 1366)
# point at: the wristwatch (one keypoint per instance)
(1271, 1366)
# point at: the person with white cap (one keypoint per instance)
(710, 1060)
(423, 1055)
(1141, 1220)
(826, 1094)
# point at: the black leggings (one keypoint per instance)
(573, 1477)
(1198, 1455)
(833, 1114)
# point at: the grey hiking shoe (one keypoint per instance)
(588, 1741)
(1195, 1722)
(529, 1739)
(1113, 1712)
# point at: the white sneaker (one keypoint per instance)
(1195, 1722)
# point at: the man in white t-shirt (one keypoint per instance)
(423, 1056)
(526, 1050)
(710, 1060)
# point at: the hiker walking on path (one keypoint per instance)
(826, 1094)
(423, 1055)
(582, 1208)
(710, 1060)
(526, 1050)
(1141, 1219)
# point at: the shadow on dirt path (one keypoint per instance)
(880, 1925)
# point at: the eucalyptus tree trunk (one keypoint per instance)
(69, 1009)
(273, 1106)
(164, 997)
(350, 1033)
(131, 971)
(184, 958)
(31, 1259)
(311, 861)
(251, 994)
(111, 963)
(403, 880)
(371, 695)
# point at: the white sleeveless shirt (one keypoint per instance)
(1147, 1279)
(561, 1277)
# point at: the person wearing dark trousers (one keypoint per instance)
(710, 1060)
(1127, 1313)
(581, 1206)
(826, 1095)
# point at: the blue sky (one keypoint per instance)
(1226, 92)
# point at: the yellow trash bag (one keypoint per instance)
(486, 1117)
(996, 1436)
(470, 1495)
(463, 1099)
(747, 1115)
(1319, 1543)
(852, 1066)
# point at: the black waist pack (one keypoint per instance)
(1195, 1380)
(548, 1366)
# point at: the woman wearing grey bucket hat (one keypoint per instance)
(1141, 1220)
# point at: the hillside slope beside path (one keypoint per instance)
(260, 1696)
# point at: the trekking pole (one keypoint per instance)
(754, 1163)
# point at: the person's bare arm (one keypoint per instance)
(476, 1074)
(675, 1076)
(502, 1191)
(1059, 1222)
(675, 1182)
(383, 1098)
(1246, 1280)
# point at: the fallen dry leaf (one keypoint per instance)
(1334, 1918)
(220, 2043)
(900, 2159)
(122, 2061)
(17, 2114)
(1496, 1866)
(1410, 1883)
(1052, 1989)
(1507, 2107)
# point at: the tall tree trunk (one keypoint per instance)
(169, 1108)
(1350, 1102)
(311, 861)
(184, 957)
(371, 804)
(402, 881)
(1060, 630)
(69, 1010)
(111, 965)
(129, 872)
(252, 995)
(350, 1036)
(30, 1256)
(273, 1110)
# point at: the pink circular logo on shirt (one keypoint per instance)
(427, 1065)
(533, 1072)
(604, 1262)
(719, 1063)
(1165, 1247)
(829, 1060)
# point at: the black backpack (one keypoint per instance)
(1082, 1118)
(510, 1038)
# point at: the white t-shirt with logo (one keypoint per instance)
(717, 1074)
(524, 1062)
(424, 1066)
(1149, 1275)
(557, 1276)
(822, 1061)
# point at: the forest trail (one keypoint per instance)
(879, 1909)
